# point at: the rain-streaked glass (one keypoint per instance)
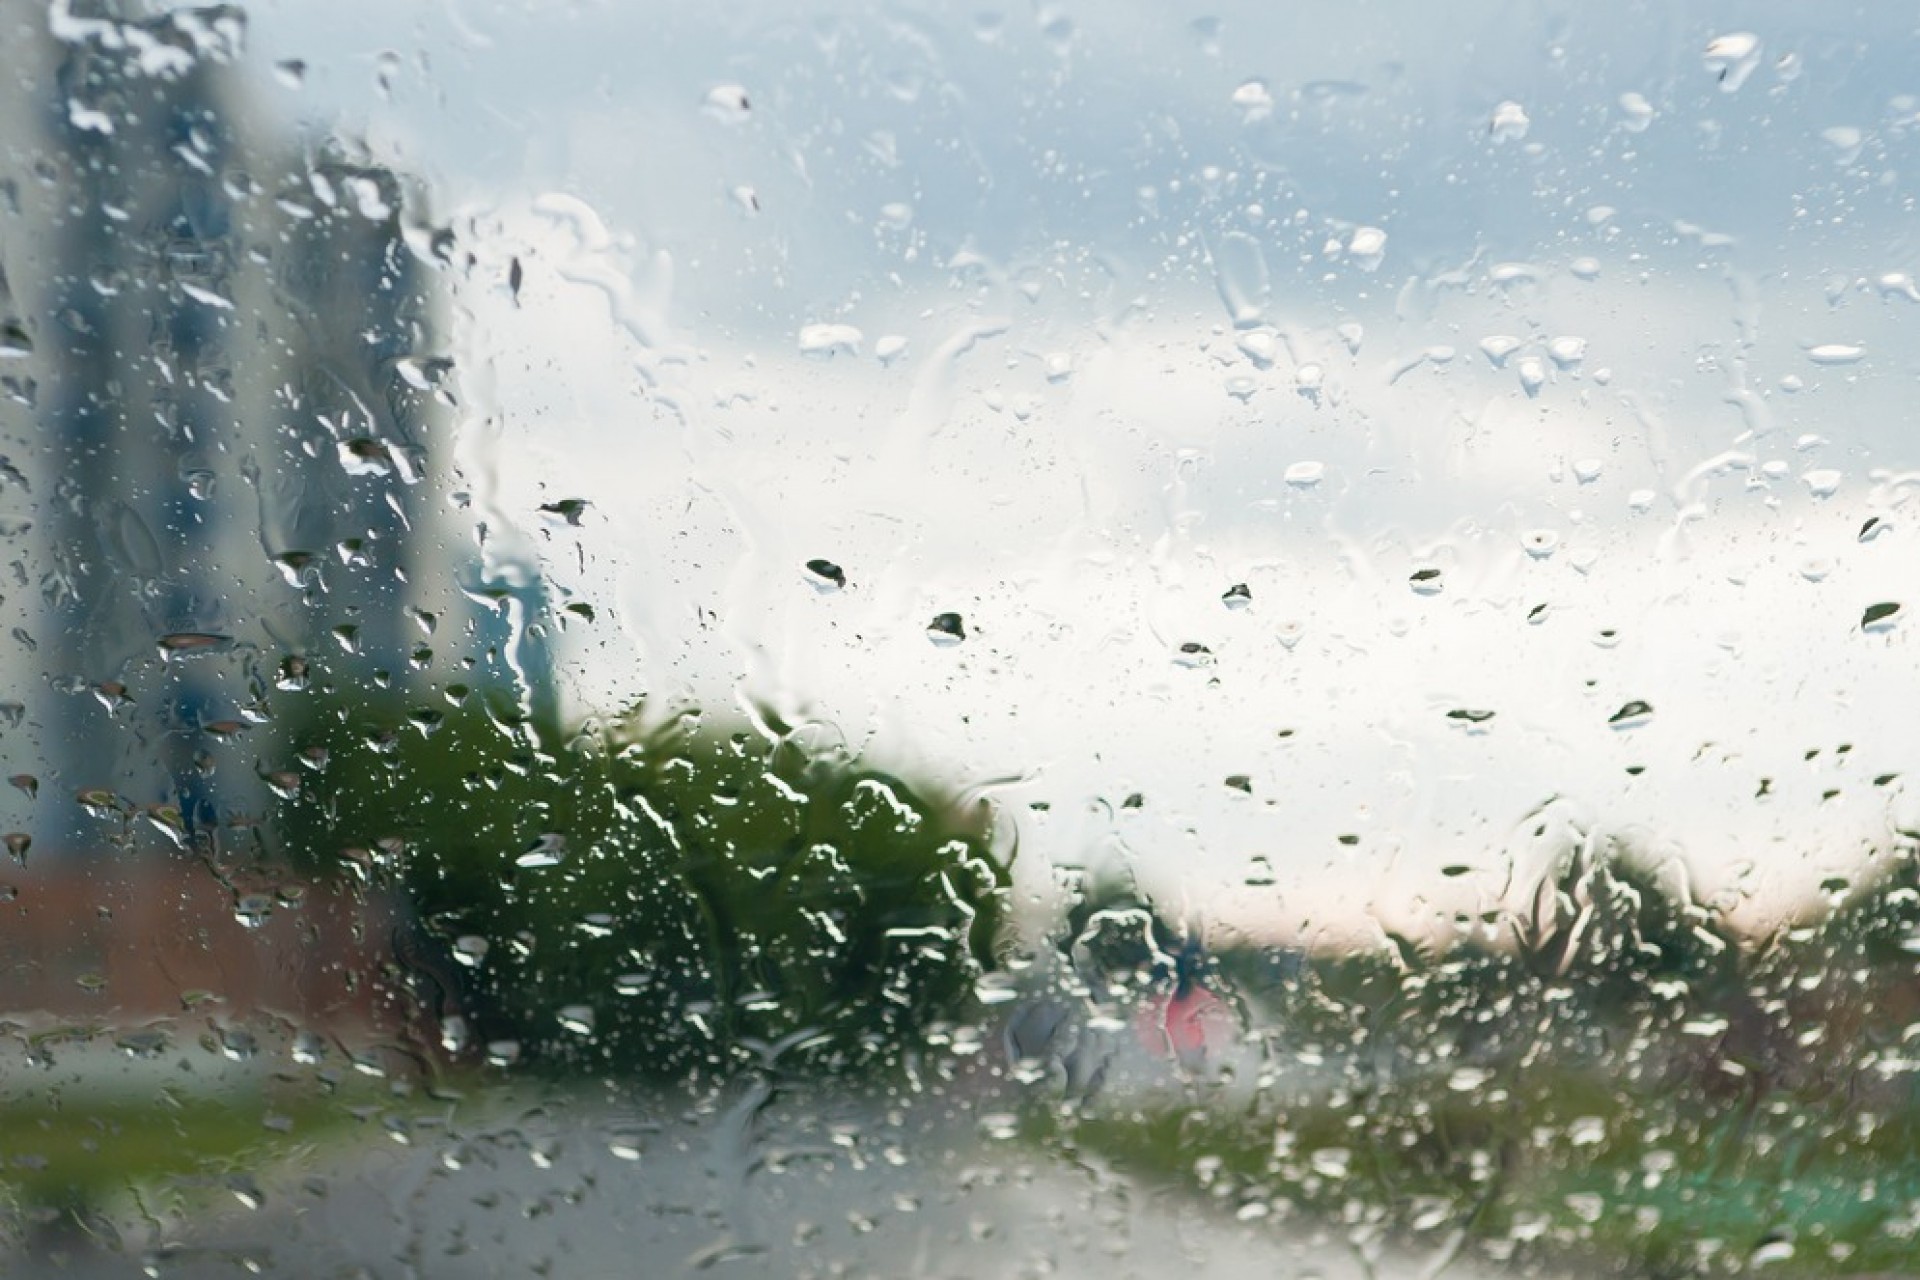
(912, 639)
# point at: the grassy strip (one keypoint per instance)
(87, 1155)
(1553, 1166)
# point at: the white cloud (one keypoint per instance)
(1589, 376)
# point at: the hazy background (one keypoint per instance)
(1068, 318)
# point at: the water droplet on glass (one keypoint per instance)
(824, 341)
(112, 695)
(26, 784)
(102, 803)
(1732, 58)
(1836, 353)
(577, 1018)
(1511, 274)
(148, 1043)
(14, 342)
(245, 1190)
(946, 629)
(454, 1034)
(365, 458)
(1898, 284)
(549, 850)
(1533, 374)
(1237, 596)
(1540, 543)
(1240, 275)
(825, 575)
(1631, 715)
(1254, 98)
(192, 644)
(1497, 347)
(728, 103)
(1425, 581)
(1259, 345)
(1509, 122)
(308, 1048)
(1331, 1162)
(1193, 654)
(1845, 141)
(1567, 351)
(1468, 1079)
(22, 391)
(1305, 474)
(999, 1126)
(1822, 483)
(1367, 246)
(1309, 380)
(1636, 113)
(168, 821)
(18, 842)
(252, 910)
(292, 677)
(301, 569)
(566, 511)
(1879, 617)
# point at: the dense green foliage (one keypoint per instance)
(652, 902)
(1620, 1079)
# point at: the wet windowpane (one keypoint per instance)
(903, 639)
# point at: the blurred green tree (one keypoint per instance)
(651, 901)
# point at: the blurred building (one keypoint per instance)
(222, 373)
(222, 383)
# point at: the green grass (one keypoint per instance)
(1617, 1083)
(84, 1154)
(1561, 1166)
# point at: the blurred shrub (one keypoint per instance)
(650, 902)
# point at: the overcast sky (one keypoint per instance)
(1069, 318)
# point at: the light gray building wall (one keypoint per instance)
(222, 403)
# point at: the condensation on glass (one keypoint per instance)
(907, 639)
